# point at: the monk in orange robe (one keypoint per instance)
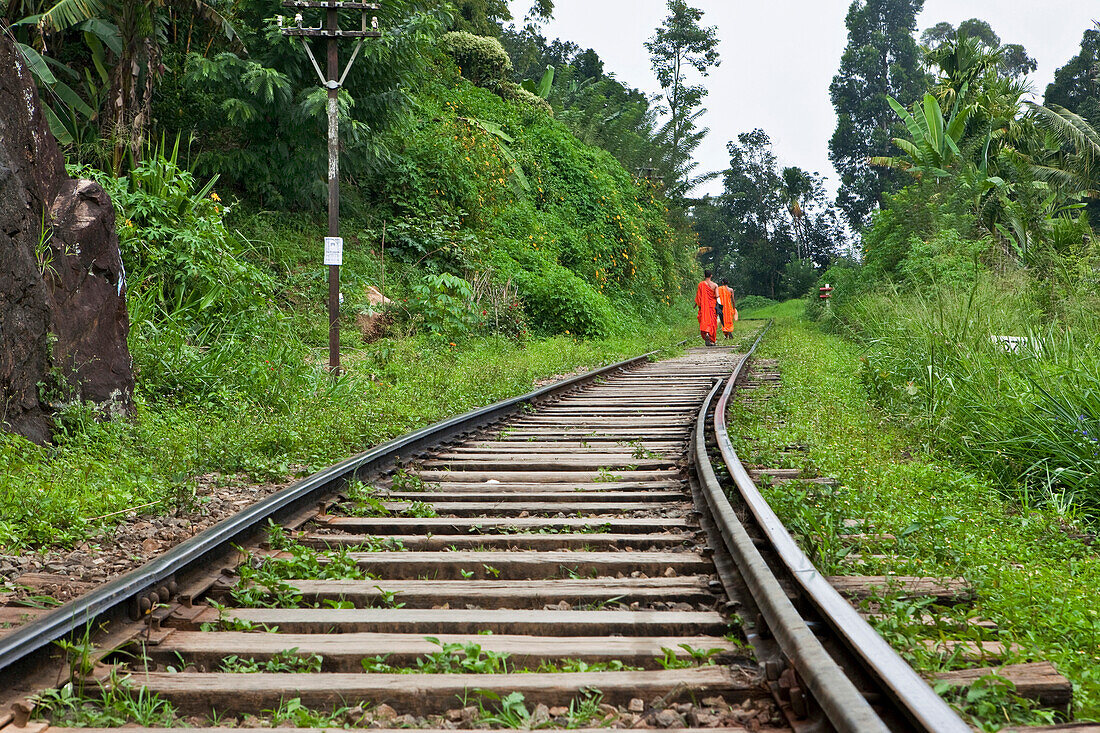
(706, 298)
(729, 312)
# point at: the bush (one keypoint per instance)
(481, 59)
(798, 277)
(558, 301)
(444, 303)
(515, 93)
(945, 259)
(754, 302)
(175, 245)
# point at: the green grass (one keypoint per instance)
(63, 493)
(786, 309)
(1032, 576)
(1027, 416)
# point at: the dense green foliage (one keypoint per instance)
(770, 231)
(989, 240)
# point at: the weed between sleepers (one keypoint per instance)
(117, 703)
(264, 579)
(470, 658)
(364, 502)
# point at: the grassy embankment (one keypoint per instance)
(1033, 575)
(52, 494)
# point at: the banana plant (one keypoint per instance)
(934, 146)
(545, 84)
(72, 115)
(518, 180)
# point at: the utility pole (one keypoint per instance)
(332, 81)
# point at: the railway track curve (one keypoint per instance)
(569, 558)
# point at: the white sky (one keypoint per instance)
(779, 56)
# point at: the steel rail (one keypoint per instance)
(919, 702)
(19, 646)
(844, 706)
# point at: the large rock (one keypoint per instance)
(63, 322)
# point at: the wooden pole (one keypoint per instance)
(333, 191)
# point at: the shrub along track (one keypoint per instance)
(565, 555)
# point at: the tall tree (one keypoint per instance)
(679, 45)
(1012, 58)
(481, 17)
(881, 60)
(756, 208)
(1076, 85)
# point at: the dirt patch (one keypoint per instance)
(45, 578)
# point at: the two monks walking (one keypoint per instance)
(713, 299)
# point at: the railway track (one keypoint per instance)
(565, 559)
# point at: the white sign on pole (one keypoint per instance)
(334, 250)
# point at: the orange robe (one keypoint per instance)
(708, 320)
(726, 296)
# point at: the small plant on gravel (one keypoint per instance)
(378, 665)
(490, 570)
(695, 658)
(640, 451)
(600, 605)
(510, 711)
(462, 657)
(579, 665)
(407, 478)
(288, 660)
(226, 622)
(378, 544)
(585, 712)
(276, 536)
(467, 574)
(308, 564)
(362, 501)
(117, 704)
(78, 653)
(419, 509)
(292, 711)
(991, 702)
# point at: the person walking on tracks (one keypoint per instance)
(729, 308)
(706, 300)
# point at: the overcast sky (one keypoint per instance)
(779, 56)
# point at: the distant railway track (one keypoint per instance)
(574, 546)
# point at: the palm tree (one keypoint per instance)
(1077, 170)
